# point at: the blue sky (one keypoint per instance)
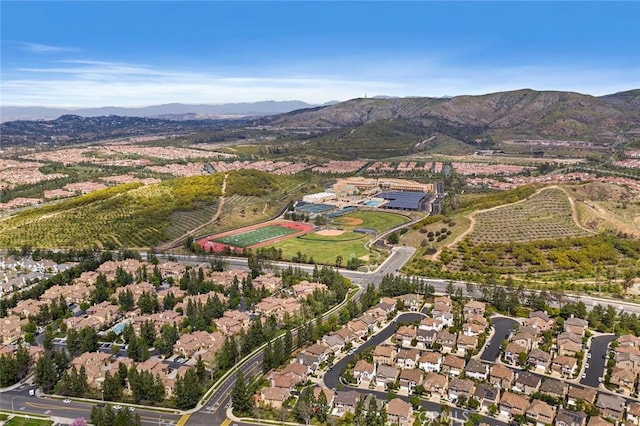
(83, 54)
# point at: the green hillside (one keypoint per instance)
(133, 215)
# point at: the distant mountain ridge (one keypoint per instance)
(168, 111)
(553, 113)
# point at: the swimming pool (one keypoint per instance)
(118, 328)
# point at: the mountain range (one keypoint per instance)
(173, 111)
(373, 127)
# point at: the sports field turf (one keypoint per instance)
(325, 249)
(255, 236)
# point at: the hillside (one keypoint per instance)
(522, 113)
(132, 215)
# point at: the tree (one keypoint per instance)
(393, 238)
(322, 407)
(111, 388)
(304, 408)
(187, 390)
(241, 396)
(45, 376)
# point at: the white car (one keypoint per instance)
(117, 407)
(132, 408)
(589, 355)
(586, 365)
(584, 375)
(67, 401)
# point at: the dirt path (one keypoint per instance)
(574, 210)
(215, 217)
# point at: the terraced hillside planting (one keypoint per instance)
(132, 215)
(545, 215)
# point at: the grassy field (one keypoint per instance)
(380, 221)
(255, 236)
(22, 421)
(545, 215)
(325, 249)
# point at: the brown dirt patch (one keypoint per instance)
(364, 258)
(330, 232)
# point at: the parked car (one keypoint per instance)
(117, 407)
(67, 401)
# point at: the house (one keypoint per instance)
(472, 329)
(474, 307)
(328, 393)
(624, 379)
(598, 421)
(431, 324)
(320, 350)
(430, 361)
(569, 344)
(425, 338)
(333, 341)
(576, 325)
(11, 329)
(539, 320)
(566, 417)
(478, 320)
(447, 341)
(628, 340)
(628, 359)
(411, 302)
(501, 376)
(399, 412)
(346, 334)
(274, 397)
(385, 355)
(610, 406)
(539, 359)
(358, 327)
(554, 388)
(370, 321)
(565, 365)
(633, 413)
(435, 384)
(405, 335)
(579, 393)
(345, 403)
(453, 365)
(541, 412)
(525, 339)
(467, 344)
(526, 383)
(27, 308)
(476, 370)
(409, 379)
(364, 372)
(442, 304)
(512, 353)
(460, 387)
(408, 358)
(486, 395)
(386, 374)
(445, 316)
(513, 404)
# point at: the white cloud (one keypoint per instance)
(84, 83)
(43, 48)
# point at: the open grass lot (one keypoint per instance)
(325, 249)
(380, 221)
(23, 421)
(545, 215)
(255, 236)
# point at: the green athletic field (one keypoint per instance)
(255, 236)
